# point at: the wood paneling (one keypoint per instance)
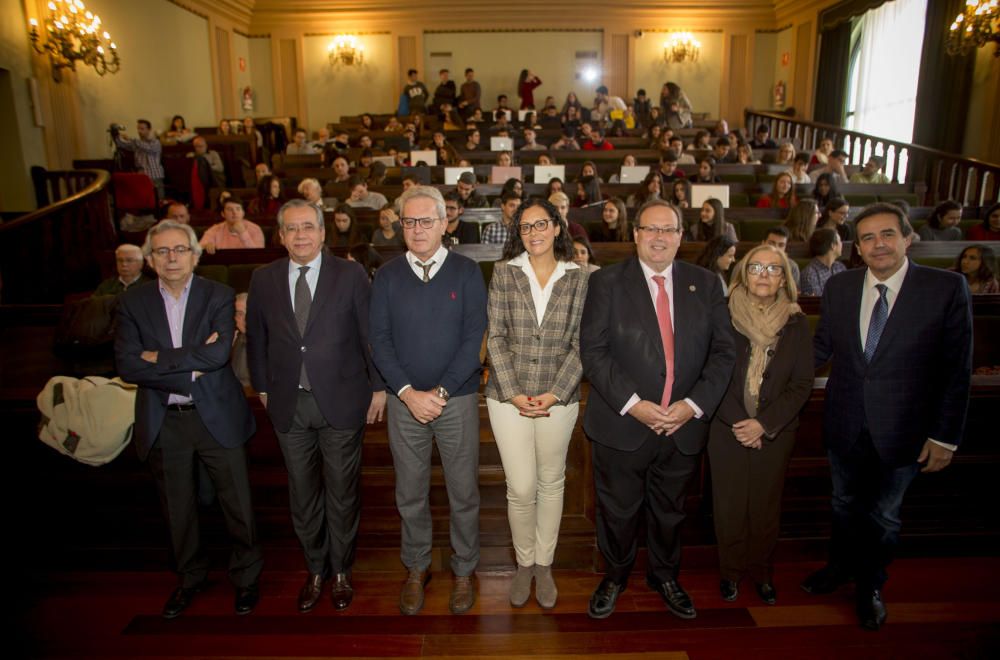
(224, 72)
(287, 101)
(801, 92)
(740, 73)
(616, 66)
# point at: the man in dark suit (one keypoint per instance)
(899, 336)
(309, 358)
(657, 348)
(172, 340)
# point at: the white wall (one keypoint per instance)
(261, 77)
(498, 58)
(334, 92)
(701, 80)
(165, 70)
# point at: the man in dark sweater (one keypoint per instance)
(428, 316)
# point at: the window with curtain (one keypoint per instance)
(885, 67)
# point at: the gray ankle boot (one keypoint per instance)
(545, 587)
(520, 587)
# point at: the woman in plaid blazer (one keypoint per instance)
(533, 394)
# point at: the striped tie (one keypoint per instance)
(879, 316)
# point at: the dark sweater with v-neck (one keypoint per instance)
(426, 334)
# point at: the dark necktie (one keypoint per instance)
(879, 316)
(427, 269)
(303, 301)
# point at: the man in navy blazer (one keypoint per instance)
(654, 387)
(172, 340)
(899, 336)
(310, 362)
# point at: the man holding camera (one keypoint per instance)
(147, 149)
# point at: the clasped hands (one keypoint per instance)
(153, 356)
(425, 406)
(749, 433)
(534, 406)
(661, 420)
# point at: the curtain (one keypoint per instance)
(945, 84)
(831, 78)
(888, 69)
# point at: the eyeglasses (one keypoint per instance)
(410, 223)
(179, 250)
(772, 270)
(651, 230)
(307, 228)
(538, 225)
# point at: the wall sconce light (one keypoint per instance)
(975, 27)
(346, 50)
(72, 34)
(681, 47)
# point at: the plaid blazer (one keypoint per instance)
(528, 358)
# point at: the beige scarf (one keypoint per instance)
(760, 325)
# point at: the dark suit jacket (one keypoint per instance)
(917, 385)
(335, 346)
(142, 326)
(622, 352)
(788, 380)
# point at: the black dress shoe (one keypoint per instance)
(310, 592)
(824, 581)
(767, 593)
(675, 597)
(871, 610)
(602, 603)
(729, 589)
(342, 592)
(181, 598)
(246, 599)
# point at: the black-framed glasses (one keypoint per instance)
(179, 250)
(651, 230)
(772, 270)
(538, 225)
(410, 223)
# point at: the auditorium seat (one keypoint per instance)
(215, 272)
(239, 276)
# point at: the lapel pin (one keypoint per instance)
(692, 288)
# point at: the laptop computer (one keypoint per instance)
(388, 161)
(702, 191)
(501, 144)
(633, 174)
(451, 174)
(545, 173)
(429, 156)
(501, 174)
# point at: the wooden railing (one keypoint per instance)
(56, 250)
(947, 176)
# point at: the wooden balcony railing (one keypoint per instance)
(947, 176)
(56, 250)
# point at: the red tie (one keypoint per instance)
(666, 335)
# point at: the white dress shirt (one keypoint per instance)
(438, 259)
(540, 295)
(312, 276)
(870, 296)
(668, 284)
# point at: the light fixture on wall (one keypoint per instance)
(346, 50)
(681, 47)
(74, 34)
(975, 27)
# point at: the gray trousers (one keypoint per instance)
(456, 432)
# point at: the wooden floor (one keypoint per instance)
(938, 608)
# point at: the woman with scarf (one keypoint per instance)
(753, 431)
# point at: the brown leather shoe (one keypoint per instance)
(311, 592)
(411, 598)
(463, 594)
(341, 592)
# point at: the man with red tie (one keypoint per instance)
(656, 345)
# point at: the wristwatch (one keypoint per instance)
(441, 392)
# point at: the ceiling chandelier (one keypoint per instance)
(975, 27)
(71, 33)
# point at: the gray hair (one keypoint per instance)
(298, 204)
(167, 225)
(428, 192)
(128, 247)
(305, 182)
(654, 203)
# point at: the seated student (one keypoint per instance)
(473, 140)
(566, 142)
(504, 159)
(676, 144)
(718, 256)
(389, 231)
(706, 171)
(393, 126)
(680, 195)
(360, 197)
(978, 264)
(668, 170)
(943, 223)
(798, 171)
(554, 185)
(744, 155)
(178, 129)
(299, 146)
(802, 219)
(269, 197)
(785, 155)
(596, 142)
(341, 169)
(458, 231)
(711, 223)
(722, 152)
(225, 128)
(365, 159)
(762, 138)
(835, 164)
(825, 247)
(650, 188)
(211, 169)
(825, 190)
(989, 230)
(702, 141)
(871, 172)
(588, 191)
(250, 128)
(627, 161)
(128, 264)
(583, 254)
(589, 168)
(560, 200)
(234, 232)
(782, 194)
(176, 211)
(614, 228)
(652, 136)
(498, 232)
(777, 237)
(822, 153)
(530, 141)
(312, 192)
(835, 216)
(466, 187)
(346, 231)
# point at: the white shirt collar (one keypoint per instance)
(522, 262)
(893, 283)
(648, 272)
(438, 257)
(293, 266)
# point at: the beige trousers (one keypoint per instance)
(533, 451)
